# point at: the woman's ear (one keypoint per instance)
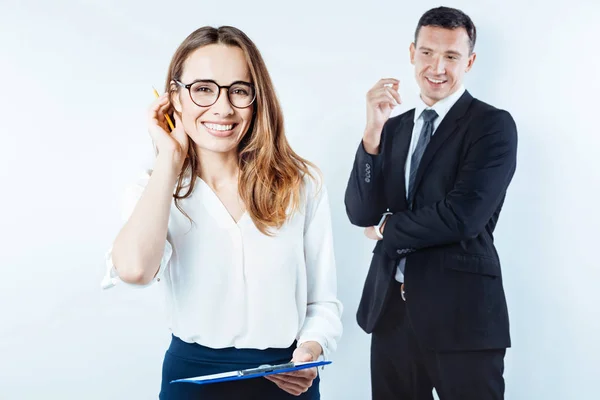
(174, 97)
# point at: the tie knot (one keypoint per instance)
(429, 115)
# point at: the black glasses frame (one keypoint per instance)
(189, 85)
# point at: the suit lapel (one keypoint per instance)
(448, 126)
(401, 144)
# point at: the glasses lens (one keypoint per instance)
(241, 95)
(204, 93)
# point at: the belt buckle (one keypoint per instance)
(402, 292)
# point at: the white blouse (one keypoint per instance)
(229, 285)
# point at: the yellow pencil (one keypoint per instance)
(166, 115)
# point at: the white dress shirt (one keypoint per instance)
(229, 285)
(441, 107)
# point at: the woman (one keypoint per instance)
(234, 225)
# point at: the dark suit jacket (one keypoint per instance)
(454, 293)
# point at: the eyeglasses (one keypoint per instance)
(205, 92)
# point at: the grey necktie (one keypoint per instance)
(426, 131)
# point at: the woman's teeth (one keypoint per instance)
(219, 127)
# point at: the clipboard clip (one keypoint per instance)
(265, 368)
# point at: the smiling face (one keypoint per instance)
(441, 58)
(220, 126)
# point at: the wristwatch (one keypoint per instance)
(378, 226)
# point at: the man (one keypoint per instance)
(429, 185)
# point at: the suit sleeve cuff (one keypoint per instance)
(369, 165)
(390, 241)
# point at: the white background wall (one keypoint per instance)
(76, 80)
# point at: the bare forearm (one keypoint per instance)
(139, 246)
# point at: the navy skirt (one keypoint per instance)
(186, 360)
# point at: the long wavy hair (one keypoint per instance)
(271, 173)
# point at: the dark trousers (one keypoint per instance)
(401, 369)
(185, 360)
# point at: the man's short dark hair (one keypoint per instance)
(449, 18)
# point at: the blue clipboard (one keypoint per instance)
(250, 373)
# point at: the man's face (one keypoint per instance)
(441, 58)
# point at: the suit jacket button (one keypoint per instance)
(367, 180)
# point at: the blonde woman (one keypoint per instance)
(234, 225)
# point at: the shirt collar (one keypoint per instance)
(441, 107)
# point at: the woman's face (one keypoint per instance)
(218, 127)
